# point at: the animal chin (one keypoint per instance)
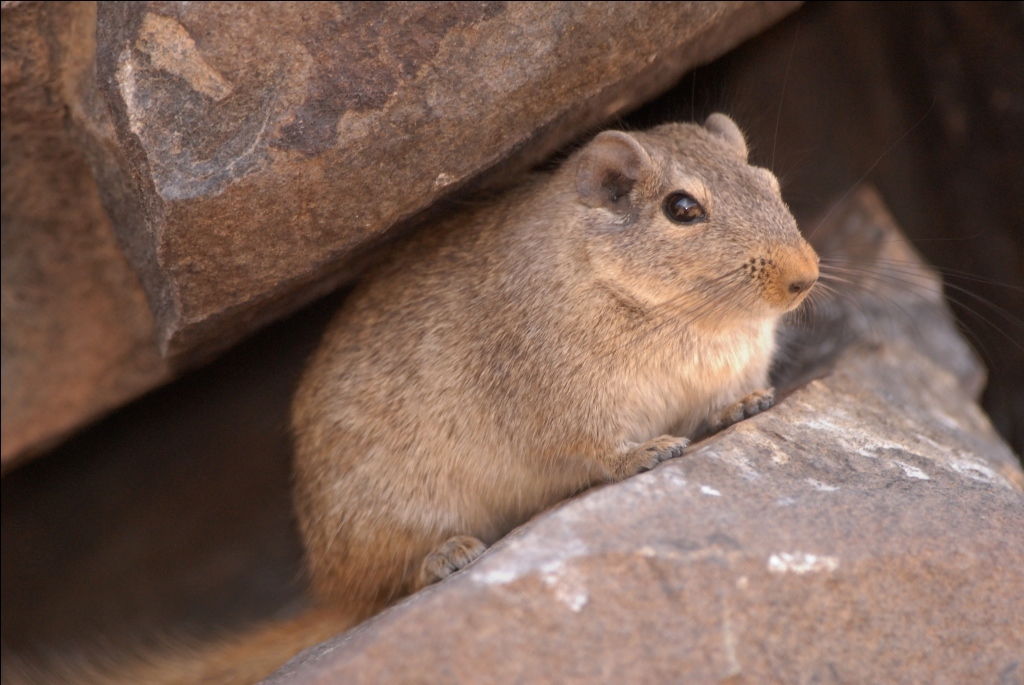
(798, 299)
(778, 298)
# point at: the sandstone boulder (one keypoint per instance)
(866, 529)
(259, 150)
(78, 338)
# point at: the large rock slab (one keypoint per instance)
(866, 529)
(78, 338)
(258, 150)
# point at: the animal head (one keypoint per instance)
(676, 216)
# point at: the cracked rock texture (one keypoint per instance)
(78, 338)
(866, 529)
(258, 150)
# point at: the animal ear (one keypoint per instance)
(608, 168)
(726, 128)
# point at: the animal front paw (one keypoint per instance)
(450, 556)
(751, 405)
(651, 453)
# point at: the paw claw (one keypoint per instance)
(751, 405)
(453, 554)
(760, 401)
(658, 450)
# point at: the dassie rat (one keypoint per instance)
(575, 331)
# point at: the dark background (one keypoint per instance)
(173, 513)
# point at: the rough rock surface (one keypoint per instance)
(78, 338)
(866, 529)
(259, 149)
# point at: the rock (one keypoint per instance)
(258, 151)
(78, 338)
(866, 529)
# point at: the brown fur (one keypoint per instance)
(530, 347)
(563, 335)
(243, 659)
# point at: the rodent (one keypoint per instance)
(576, 330)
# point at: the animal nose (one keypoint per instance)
(800, 285)
(800, 279)
(792, 274)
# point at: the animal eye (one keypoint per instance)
(683, 209)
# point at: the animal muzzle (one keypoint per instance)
(795, 274)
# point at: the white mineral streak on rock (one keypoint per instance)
(497, 576)
(857, 435)
(708, 490)
(801, 563)
(443, 180)
(566, 584)
(848, 430)
(977, 471)
(126, 83)
(852, 435)
(523, 556)
(824, 487)
(912, 471)
(171, 48)
(673, 477)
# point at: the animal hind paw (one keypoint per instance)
(451, 555)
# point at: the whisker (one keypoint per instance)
(782, 96)
(942, 270)
(871, 168)
(878, 273)
(883, 275)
